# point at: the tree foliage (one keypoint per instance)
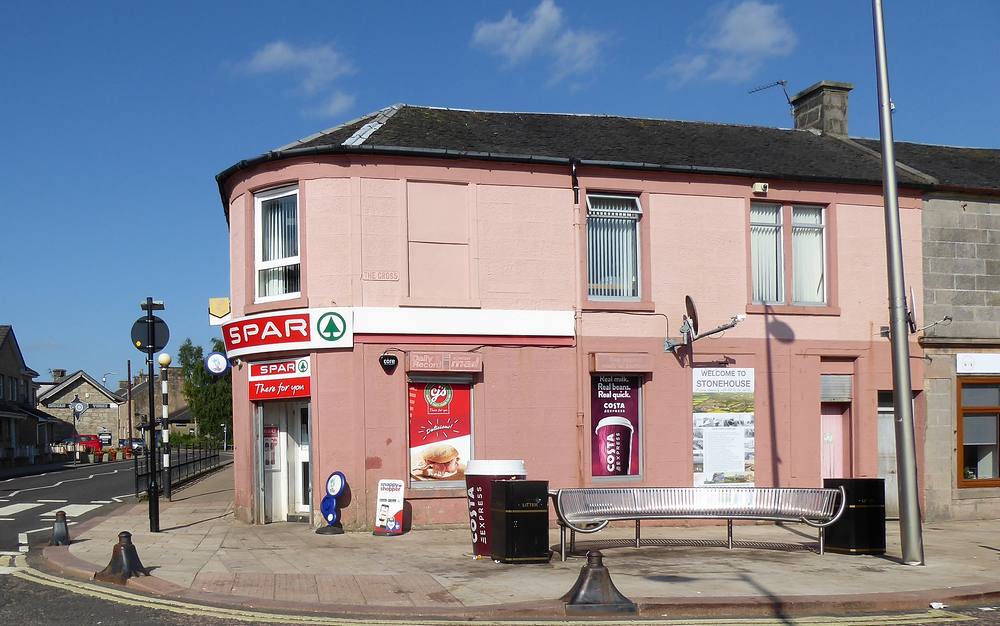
(209, 397)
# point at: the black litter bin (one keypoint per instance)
(861, 529)
(519, 513)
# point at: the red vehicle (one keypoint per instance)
(89, 443)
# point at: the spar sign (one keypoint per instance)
(281, 379)
(305, 329)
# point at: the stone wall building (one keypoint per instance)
(100, 416)
(177, 404)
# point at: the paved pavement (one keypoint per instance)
(203, 555)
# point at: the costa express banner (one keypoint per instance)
(440, 430)
(614, 415)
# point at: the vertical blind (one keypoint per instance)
(807, 255)
(613, 247)
(279, 241)
(766, 253)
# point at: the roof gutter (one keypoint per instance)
(440, 153)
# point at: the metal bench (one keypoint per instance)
(590, 509)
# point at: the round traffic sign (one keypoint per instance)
(140, 334)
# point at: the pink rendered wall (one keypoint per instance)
(244, 446)
(238, 263)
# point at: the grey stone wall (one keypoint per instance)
(961, 250)
(962, 267)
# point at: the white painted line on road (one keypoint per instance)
(127, 495)
(6, 519)
(72, 510)
(61, 482)
(100, 501)
(55, 501)
(38, 530)
(14, 509)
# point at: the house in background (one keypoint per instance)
(100, 414)
(181, 421)
(25, 431)
(523, 271)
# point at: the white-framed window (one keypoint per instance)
(276, 244)
(613, 247)
(774, 271)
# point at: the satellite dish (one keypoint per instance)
(692, 314)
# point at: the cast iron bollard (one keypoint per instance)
(594, 592)
(124, 563)
(60, 530)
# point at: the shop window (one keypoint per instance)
(276, 244)
(788, 260)
(440, 431)
(613, 247)
(978, 425)
(616, 426)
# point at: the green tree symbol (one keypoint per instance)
(331, 326)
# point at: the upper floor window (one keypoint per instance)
(3, 383)
(978, 417)
(613, 247)
(276, 244)
(788, 259)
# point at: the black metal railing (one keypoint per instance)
(186, 462)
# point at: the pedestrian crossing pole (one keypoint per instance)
(164, 360)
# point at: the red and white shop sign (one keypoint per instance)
(281, 379)
(303, 329)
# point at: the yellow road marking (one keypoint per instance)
(186, 608)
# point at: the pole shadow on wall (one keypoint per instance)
(775, 330)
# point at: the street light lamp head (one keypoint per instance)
(163, 359)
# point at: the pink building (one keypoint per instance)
(526, 271)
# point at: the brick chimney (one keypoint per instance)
(822, 106)
(58, 375)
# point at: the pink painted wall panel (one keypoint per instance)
(244, 444)
(329, 245)
(437, 212)
(525, 247)
(238, 266)
(439, 271)
(382, 242)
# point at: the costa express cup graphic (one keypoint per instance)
(479, 477)
(614, 445)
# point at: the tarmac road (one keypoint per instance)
(28, 504)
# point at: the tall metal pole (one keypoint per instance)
(906, 460)
(165, 429)
(153, 489)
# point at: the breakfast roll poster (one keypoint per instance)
(440, 430)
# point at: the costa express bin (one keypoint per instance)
(519, 512)
(861, 529)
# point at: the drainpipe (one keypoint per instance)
(581, 356)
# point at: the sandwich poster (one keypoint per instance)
(723, 441)
(440, 432)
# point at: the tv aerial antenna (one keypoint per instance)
(689, 327)
(784, 87)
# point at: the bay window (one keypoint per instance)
(276, 244)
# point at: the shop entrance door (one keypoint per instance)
(835, 443)
(285, 461)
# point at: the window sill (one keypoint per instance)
(440, 303)
(787, 309)
(414, 493)
(300, 302)
(989, 483)
(641, 306)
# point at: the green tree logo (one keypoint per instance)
(331, 326)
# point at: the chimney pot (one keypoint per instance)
(822, 106)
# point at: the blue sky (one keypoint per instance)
(116, 116)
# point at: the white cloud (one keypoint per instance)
(337, 103)
(737, 41)
(317, 66)
(571, 51)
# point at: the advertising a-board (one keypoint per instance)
(389, 508)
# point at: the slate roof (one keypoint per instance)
(968, 169)
(623, 142)
(59, 387)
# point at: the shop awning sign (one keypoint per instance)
(280, 379)
(305, 329)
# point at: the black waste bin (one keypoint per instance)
(861, 529)
(519, 512)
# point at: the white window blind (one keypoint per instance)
(277, 243)
(766, 254)
(613, 247)
(808, 259)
